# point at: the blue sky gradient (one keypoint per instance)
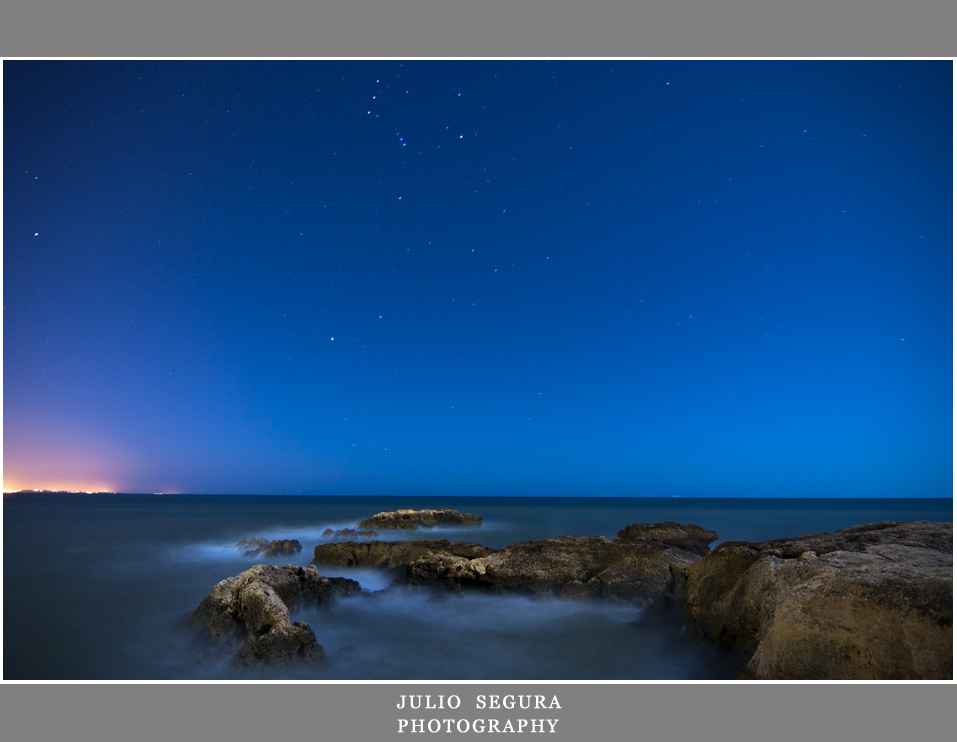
(479, 278)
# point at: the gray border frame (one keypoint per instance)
(464, 28)
(365, 712)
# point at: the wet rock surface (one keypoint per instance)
(687, 538)
(391, 554)
(869, 602)
(645, 572)
(645, 567)
(411, 520)
(249, 615)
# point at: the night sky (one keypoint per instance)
(616, 278)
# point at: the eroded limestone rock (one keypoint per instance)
(644, 572)
(390, 554)
(249, 614)
(646, 567)
(869, 602)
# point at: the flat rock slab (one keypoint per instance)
(411, 520)
(643, 572)
(869, 602)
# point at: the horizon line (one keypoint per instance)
(36, 491)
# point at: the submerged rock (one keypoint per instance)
(346, 534)
(411, 520)
(869, 602)
(250, 614)
(262, 547)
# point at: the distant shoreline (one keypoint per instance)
(590, 498)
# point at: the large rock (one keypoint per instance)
(390, 554)
(411, 520)
(646, 566)
(587, 567)
(250, 614)
(869, 602)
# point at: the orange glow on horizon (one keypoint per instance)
(61, 455)
(59, 486)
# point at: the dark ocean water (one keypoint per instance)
(98, 586)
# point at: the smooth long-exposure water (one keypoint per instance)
(98, 586)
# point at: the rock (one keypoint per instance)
(349, 534)
(688, 538)
(251, 613)
(869, 602)
(645, 567)
(250, 547)
(411, 520)
(390, 554)
(637, 569)
(261, 547)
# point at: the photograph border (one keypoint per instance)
(343, 712)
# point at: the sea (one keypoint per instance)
(98, 587)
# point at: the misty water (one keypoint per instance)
(99, 586)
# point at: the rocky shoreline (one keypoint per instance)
(642, 565)
(869, 602)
